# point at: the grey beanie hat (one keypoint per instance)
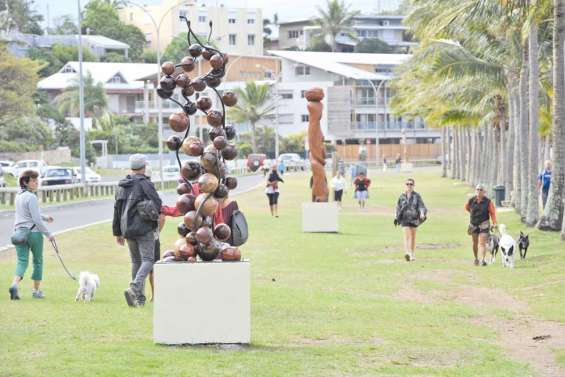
(137, 161)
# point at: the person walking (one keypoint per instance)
(544, 182)
(272, 190)
(136, 218)
(481, 210)
(29, 217)
(410, 213)
(361, 184)
(338, 186)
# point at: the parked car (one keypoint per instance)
(89, 174)
(23, 165)
(8, 167)
(255, 161)
(169, 172)
(2, 181)
(292, 162)
(56, 175)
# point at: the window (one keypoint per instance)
(117, 79)
(202, 17)
(385, 23)
(250, 21)
(148, 37)
(302, 70)
(304, 118)
(286, 95)
(251, 39)
(68, 69)
(232, 39)
(231, 20)
(302, 93)
(293, 34)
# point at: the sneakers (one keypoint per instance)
(14, 293)
(412, 257)
(483, 263)
(407, 257)
(131, 298)
(37, 294)
(476, 263)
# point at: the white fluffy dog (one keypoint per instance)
(507, 247)
(88, 282)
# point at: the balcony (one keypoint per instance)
(167, 107)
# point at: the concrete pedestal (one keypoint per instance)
(202, 303)
(320, 217)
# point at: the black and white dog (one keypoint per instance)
(507, 247)
(493, 246)
(523, 244)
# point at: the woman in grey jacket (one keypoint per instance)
(29, 216)
(410, 212)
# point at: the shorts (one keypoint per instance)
(273, 198)
(362, 195)
(409, 224)
(483, 227)
(337, 195)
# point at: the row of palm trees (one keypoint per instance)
(490, 73)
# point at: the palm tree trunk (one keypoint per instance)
(468, 159)
(462, 152)
(443, 152)
(524, 115)
(253, 138)
(487, 156)
(532, 212)
(508, 174)
(452, 164)
(456, 152)
(552, 217)
(495, 158)
(472, 155)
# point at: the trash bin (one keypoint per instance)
(499, 195)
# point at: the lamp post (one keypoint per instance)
(376, 90)
(277, 97)
(81, 102)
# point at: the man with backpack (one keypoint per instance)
(136, 218)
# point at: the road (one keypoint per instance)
(75, 215)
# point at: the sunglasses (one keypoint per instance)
(409, 184)
(480, 190)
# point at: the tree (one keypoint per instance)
(254, 105)
(54, 58)
(317, 43)
(337, 18)
(65, 26)
(95, 101)
(150, 56)
(294, 143)
(374, 46)
(178, 48)
(20, 16)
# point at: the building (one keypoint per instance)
(298, 34)
(235, 30)
(19, 44)
(356, 106)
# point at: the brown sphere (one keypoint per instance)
(192, 148)
(198, 84)
(210, 251)
(185, 203)
(178, 122)
(204, 235)
(187, 63)
(213, 82)
(230, 132)
(191, 238)
(229, 99)
(225, 56)
(195, 50)
(188, 90)
(178, 244)
(167, 83)
(183, 188)
(215, 132)
(209, 205)
(314, 94)
(221, 192)
(214, 118)
(222, 232)
(204, 103)
(192, 221)
(231, 182)
(182, 230)
(216, 61)
(231, 254)
(208, 183)
(182, 80)
(207, 53)
(168, 253)
(229, 152)
(187, 251)
(168, 68)
(220, 142)
(209, 161)
(174, 142)
(190, 170)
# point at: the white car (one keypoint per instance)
(8, 167)
(2, 181)
(292, 161)
(89, 174)
(23, 165)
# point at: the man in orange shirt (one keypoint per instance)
(482, 211)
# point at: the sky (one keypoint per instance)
(286, 9)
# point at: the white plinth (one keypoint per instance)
(200, 303)
(320, 217)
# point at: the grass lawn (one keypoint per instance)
(342, 304)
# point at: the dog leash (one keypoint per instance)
(54, 244)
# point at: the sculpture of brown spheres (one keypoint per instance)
(164, 94)
(230, 132)
(216, 61)
(188, 90)
(231, 254)
(191, 260)
(207, 53)
(198, 84)
(168, 68)
(190, 108)
(221, 192)
(187, 63)
(178, 244)
(225, 57)
(190, 170)
(195, 50)
(213, 82)
(182, 80)
(229, 152)
(214, 118)
(192, 221)
(183, 188)
(209, 161)
(187, 251)
(185, 203)
(178, 122)
(167, 83)
(208, 183)
(182, 230)
(229, 99)
(204, 235)
(174, 142)
(206, 205)
(222, 168)
(209, 252)
(220, 142)
(222, 232)
(168, 253)
(230, 182)
(204, 103)
(215, 132)
(191, 238)
(191, 148)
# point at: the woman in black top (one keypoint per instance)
(410, 212)
(272, 190)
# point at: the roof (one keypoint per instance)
(338, 62)
(128, 74)
(357, 17)
(50, 40)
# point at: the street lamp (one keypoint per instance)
(376, 90)
(81, 101)
(277, 97)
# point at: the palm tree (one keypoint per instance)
(254, 105)
(95, 100)
(337, 18)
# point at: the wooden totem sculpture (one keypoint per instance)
(317, 154)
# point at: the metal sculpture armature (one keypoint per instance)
(317, 154)
(199, 204)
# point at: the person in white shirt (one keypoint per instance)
(338, 185)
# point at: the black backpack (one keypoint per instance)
(239, 229)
